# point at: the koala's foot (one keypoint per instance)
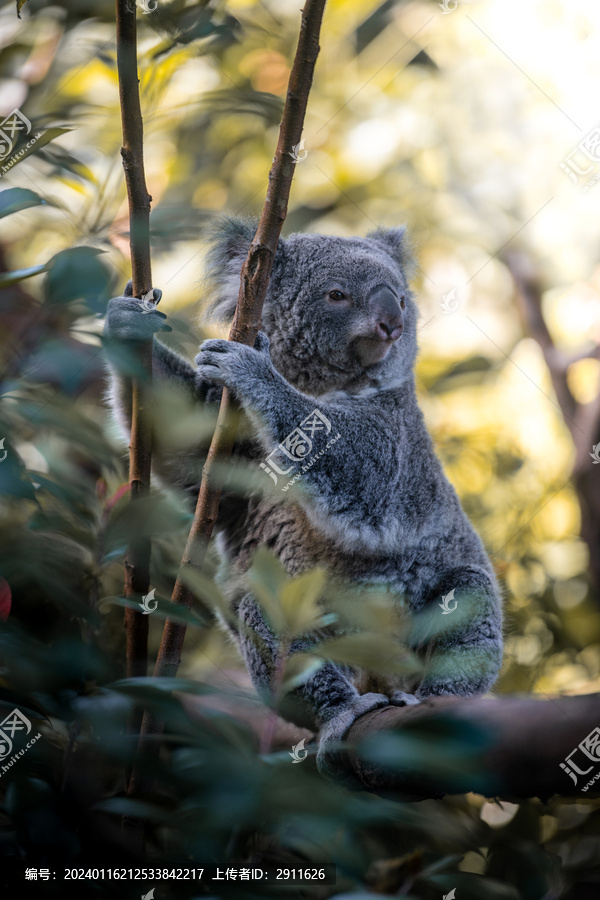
(333, 731)
(234, 365)
(400, 698)
(129, 319)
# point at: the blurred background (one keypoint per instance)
(473, 123)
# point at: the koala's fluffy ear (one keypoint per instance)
(396, 243)
(229, 245)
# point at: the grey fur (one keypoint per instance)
(376, 507)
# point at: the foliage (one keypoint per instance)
(410, 139)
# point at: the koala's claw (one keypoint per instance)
(234, 365)
(156, 292)
(334, 730)
(128, 318)
(400, 698)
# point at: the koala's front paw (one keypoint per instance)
(129, 319)
(334, 729)
(234, 365)
(400, 698)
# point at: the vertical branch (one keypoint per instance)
(137, 563)
(582, 419)
(253, 287)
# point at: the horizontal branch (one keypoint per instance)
(508, 747)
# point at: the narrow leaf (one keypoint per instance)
(15, 199)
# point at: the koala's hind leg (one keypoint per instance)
(327, 700)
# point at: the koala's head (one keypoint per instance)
(339, 312)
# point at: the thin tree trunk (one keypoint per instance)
(137, 564)
(253, 287)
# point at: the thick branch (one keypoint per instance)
(513, 747)
(137, 564)
(253, 287)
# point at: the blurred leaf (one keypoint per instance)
(373, 652)
(299, 602)
(205, 590)
(193, 24)
(26, 704)
(244, 101)
(267, 578)
(14, 480)
(15, 199)
(298, 668)
(78, 274)
(8, 278)
(164, 610)
(62, 161)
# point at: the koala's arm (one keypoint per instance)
(362, 449)
(125, 326)
(326, 700)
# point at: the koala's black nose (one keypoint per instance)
(387, 314)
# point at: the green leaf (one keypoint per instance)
(164, 610)
(78, 274)
(155, 687)
(15, 199)
(204, 589)
(267, 579)
(298, 668)
(369, 651)
(299, 602)
(8, 278)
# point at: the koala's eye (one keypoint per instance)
(402, 302)
(336, 295)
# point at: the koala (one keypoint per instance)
(331, 371)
